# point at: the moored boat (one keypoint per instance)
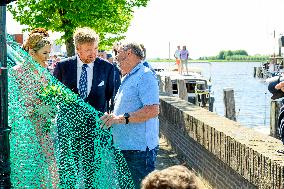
(198, 87)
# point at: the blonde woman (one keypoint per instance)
(30, 83)
(38, 46)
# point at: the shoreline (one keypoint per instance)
(202, 61)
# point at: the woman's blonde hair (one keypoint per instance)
(37, 39)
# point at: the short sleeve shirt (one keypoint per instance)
(177, 54)
(138, 88)
(184, 54)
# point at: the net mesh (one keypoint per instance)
(56, 139)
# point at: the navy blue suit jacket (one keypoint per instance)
(99, 96)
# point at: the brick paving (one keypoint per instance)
(167, 157)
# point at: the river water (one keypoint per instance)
(252, 99)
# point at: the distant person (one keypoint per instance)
(117, 79)
(175, 177)
(55, 59)
(102, 54)
(177, 57)
(116, 47)
(184, 59)
(266, 65)
(277, 90)
(109, 58)
(145, 63)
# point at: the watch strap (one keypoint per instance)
(126, 117)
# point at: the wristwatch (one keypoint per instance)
(126, 117)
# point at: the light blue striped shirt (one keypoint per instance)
(138, 89)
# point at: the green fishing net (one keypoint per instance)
(56, 139)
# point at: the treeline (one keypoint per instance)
(237, 55)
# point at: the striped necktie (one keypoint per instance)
(83, 82)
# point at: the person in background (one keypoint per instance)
(174, 177)
(55, 61)
(184, 59)
(109, 58)
(177, 57)
(117, 77)
(276, 88)
(145, 63)
(116, 47)
(102, 54)
(134, 122)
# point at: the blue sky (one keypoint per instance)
(204, 26)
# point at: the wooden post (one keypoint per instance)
(274, 113)
(229, 102)
(161, 84)
(5, 168)
(182, 91)
(259, 73)
(168, 86)
(254, 71)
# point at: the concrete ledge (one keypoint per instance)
(225, 153)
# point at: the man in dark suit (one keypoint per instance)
(101, 84)
(93, 79)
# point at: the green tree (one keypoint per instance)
(240, 52)
(221, 55)
(228, 53)
(110, 18)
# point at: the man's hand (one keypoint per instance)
(280, 86)
(109, 119)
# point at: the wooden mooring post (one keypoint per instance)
(161, 84)
(229, 102)
(182, 92)
(274, 113)
(259, 73)
(168, 86)
(254, 71)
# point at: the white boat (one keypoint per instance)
(198, 87)
(273, 67)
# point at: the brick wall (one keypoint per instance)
(222, 151)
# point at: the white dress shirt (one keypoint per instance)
(89, 73)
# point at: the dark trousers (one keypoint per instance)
(140, 163)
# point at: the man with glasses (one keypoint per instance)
(134, 121)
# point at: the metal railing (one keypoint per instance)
(5, 168)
